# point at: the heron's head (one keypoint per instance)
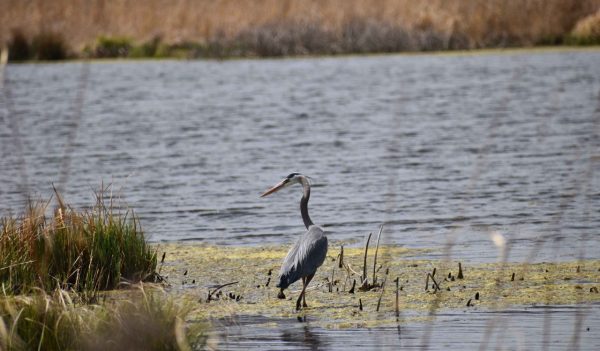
(292, 178)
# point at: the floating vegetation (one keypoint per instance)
(338, 304)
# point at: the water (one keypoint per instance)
(442, 148)
(517, 329)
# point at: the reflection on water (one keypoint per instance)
(438, 147)
(306, 338)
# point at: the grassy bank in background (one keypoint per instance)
(221, 28)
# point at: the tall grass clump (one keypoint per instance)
(586, 31)
(83, 251)
(143, 321)
(19, 48)
(45, 46)
(112, 47)
(50, 46)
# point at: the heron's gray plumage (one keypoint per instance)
(303, 259)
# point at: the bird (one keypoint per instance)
(309, 252)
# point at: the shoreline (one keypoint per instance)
(451, 53)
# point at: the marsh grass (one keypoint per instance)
(142, 321)
(112, 47)
(83, 251)
(211, 28)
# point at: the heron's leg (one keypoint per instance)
(304, 283)
(308, 279)
(301, 294)
(304, 299)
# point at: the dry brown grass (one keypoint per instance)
(479, 23)
(588, 29)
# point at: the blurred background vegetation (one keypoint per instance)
(59, 29)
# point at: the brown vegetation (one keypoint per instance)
(282, 27)
(587, 30)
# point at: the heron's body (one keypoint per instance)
(303, 259)
(309, 251)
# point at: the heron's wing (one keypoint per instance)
(307, 254)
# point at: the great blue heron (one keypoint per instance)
(309, 251)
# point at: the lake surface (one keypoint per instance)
(442, 148)
(516, 329)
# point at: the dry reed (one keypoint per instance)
(297, 26)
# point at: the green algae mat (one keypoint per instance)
(225, 281)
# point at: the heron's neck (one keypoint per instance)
(304, 204)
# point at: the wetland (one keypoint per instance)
(487, 159)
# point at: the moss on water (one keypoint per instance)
(193, 270)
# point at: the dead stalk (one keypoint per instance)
(210, 294)
(351, 291)
(382, 290)
(376, 251)
(364, 277)
(397, 280)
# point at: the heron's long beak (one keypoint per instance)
(275, 188)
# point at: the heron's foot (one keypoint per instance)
(304, 304)
(281, 295)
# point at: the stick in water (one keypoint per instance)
(210, 294)
(397, 280)
(365, 282)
